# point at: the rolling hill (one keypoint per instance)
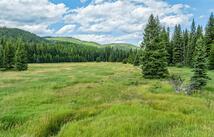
(26, 36)
(73, 40)
(15, 33)
(121, 46)
(89, 43)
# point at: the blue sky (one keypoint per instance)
(103, 21)
(199, 9)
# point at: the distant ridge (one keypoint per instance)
(90, 43)
(29, 37)
(121, 45)
(73, 40)
(15, 33)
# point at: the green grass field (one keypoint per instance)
(100, 100)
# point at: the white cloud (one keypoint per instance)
(101, 21)
(32, 15)
(104, 39)
(123, 18)
(66, 29)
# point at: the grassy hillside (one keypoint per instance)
(88, 43)
(121, 46)
(100, 100)
(75, 41)
(15, 33)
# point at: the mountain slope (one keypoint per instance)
(26, 36)
(15, 33)
(89, 43)
(74, 40)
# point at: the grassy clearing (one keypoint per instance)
(76, 41)
(100, 100)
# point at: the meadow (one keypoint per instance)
(100, 100)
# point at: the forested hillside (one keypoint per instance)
(14, 33)
(40, 50)
(74, 41)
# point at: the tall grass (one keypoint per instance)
(100, 100)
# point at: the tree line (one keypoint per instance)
(191, 48)
(16, 53)
(70, 52)
(13, 57)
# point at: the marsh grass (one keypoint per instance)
(100, 100)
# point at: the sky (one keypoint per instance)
(102, 21)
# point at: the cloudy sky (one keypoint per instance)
(103, 21)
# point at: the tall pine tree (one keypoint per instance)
(199, 79)
(154, 61)
(211, 58)
(209, 34)
(185, 45)
(166, 41)
(199, 32)
(191, 44)
(21, 57)
(138, 56)
(8, 55)
(1, 56)
(178, 49)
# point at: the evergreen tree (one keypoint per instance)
(211, 58)
(199, 32)
(131, 57)
(185, 45)
(166, 41)
(8, 55)
(200, 77)
(21, 57)
(209, 34)
(1, 56)
(178, 49)
(137, 58)
(154, 61)
(191, 44)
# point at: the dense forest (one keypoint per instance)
(192, 48)
(181, 44)
(39, 50)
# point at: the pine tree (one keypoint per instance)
(209, 34)
(200, 77)
(154, 61)
(199, 32)
(211, 58)
(8, 55)
(131, 57)
(185, 45)
(191, 44)
(21, 57)
(178, 49)
(166, 41)
(137, 58)
(1, 56)
(199, 35)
